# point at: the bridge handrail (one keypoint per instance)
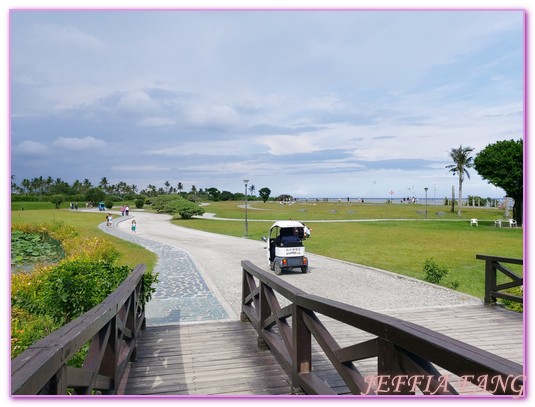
(112, 328)
(403, 349)
(493, 290)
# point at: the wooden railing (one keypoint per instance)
(407, 356)
(111, 329)
(493, 290)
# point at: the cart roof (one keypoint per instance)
(287, 224)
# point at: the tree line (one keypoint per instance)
(45, 187)
(501, 164)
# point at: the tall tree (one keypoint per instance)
(264, 193)
(502, 165)
(103, 184)
(86, 185)
(462, 160)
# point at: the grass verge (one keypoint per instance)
(87, 225)
(400, 246)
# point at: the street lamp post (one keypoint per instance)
(426, 201)
(246, 181)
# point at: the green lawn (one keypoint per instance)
(392, 244)
(396, 245)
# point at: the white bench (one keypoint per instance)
(473, 222)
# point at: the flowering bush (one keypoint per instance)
(49, 296)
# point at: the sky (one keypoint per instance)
(313, 103)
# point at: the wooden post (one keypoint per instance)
(388, 369)
(490, 281)
(301, 348)
(263, 313)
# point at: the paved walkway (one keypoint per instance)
(182, 294)
(200, 275)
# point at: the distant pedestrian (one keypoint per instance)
(123, 209)
(109, 220)
(127, 210)
(306, 231)
(134, 224)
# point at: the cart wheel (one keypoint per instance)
(304, 269)
(277, 269)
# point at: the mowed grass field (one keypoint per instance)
(391, 237)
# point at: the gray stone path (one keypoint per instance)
(182, 294)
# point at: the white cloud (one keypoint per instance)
(284, 145)
(31, 148)
(78, 144)
(212, 115)
(137, 102)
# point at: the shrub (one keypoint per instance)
(51, 295)
(57, 200)
(27, 328)
(188, 209)
(90, 248)
(26, 290)
(454, 285)
(173, 204)
(74, 287)
(433, 272)
(139, 203)
(513, 305)
(114, 198)
(108, 204)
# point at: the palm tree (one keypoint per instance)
(86, 185)
(103, 184)
(26, 185)
(461, 162)
(252, 188)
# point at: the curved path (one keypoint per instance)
(211, 262)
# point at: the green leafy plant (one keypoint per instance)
(176, 204)
(74, 287)
(47, 296)
(139, 203)
(433, 272)
(513, 305)
(30, 248)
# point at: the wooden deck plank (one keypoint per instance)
(204, 359)
(223, 358)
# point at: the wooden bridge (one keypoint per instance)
(288, 342)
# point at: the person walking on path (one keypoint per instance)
(134, 224)
(127, 210)
(109, 220)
